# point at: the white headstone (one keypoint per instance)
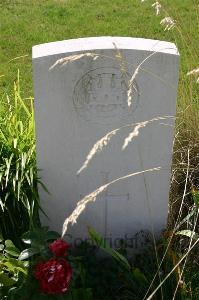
(77, 104)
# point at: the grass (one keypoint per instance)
(25, 23)
(19, 201)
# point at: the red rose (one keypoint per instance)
(54, 276)
(59, 247)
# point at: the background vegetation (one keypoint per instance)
(24, 23)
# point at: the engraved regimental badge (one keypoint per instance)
(101, 96)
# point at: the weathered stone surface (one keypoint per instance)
(78, 103)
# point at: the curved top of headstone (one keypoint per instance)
(103, 42)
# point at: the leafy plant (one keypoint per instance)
(137, 273)
(13, 272)
(17, 270)
(19, 200)
(133, 278)
(37, 239)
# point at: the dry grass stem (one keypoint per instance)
(68, 59)
(100, 144)
(176, 227)
(71, 58)
(81, 205)
(133, 134)
(168, 22)
(18, 57)
(194, 72)
(183, 268)
(135, 131)
(131, 85)
(157, 7)
(171, 272)
(97, 148)
(121, 59)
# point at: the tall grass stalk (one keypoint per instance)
(19, 201)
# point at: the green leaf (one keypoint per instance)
(11, 249)
(101, 242)
(189, 234)
(52, 235)
(35, 236)
(28, 237)
(139, 277)
(12, 252)
(9, 243)
(195, 195)
(43, 186)
(14, 265)
(26, 241)
(6, 280)
(187, 218)
(39, 236)
(27, 253)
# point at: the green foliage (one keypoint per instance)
(13, 272)
(101, 243)
(18, 180)
(19, 201)
(189, 233)
(191, 217)
(76, 294)
(137, 273)
(25, 23)
(101, 274)
(17, 274)
(95, 276)
(38, 239)
(193, 279)
(195, 195)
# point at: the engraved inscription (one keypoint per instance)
(101, 96)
